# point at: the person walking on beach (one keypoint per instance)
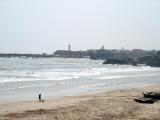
(40, 97)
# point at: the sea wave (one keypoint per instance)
(92, 85)
(125, 69)
(28, 80)
(125, 76)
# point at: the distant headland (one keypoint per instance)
(148, 57)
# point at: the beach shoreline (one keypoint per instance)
(114, 105)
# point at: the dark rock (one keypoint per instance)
(115, 61)
(126, 61)
(153, 95)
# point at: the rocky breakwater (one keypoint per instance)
(120, 62)
(153, 61)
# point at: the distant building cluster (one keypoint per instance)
(101, 53)
(114, 56)
(95, 54)
(71, 54)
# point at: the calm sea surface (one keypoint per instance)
(24, 78)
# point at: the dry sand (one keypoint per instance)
(114, 105)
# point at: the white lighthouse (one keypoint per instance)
(69, 47)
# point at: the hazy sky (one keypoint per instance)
(36, 26)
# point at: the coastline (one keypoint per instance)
(116, 104)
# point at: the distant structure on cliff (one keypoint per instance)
(102, 47)
(71, 54)
(69, 47)
(150, 57)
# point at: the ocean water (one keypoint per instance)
(24, 78)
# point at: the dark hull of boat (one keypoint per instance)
(145, 100)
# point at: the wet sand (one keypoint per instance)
(114, 105)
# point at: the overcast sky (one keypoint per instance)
(37, 26)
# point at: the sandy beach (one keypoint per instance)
(113, 105)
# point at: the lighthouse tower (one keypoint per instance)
(102, 47)
(69, 47)
(69, 50)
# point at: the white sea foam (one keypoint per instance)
(7, 89)
(7, 80)
(126, 76)
(125, 69)
(117, 82)
(110, 77)
(53, 75)
(92, 85)
(31, 86)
